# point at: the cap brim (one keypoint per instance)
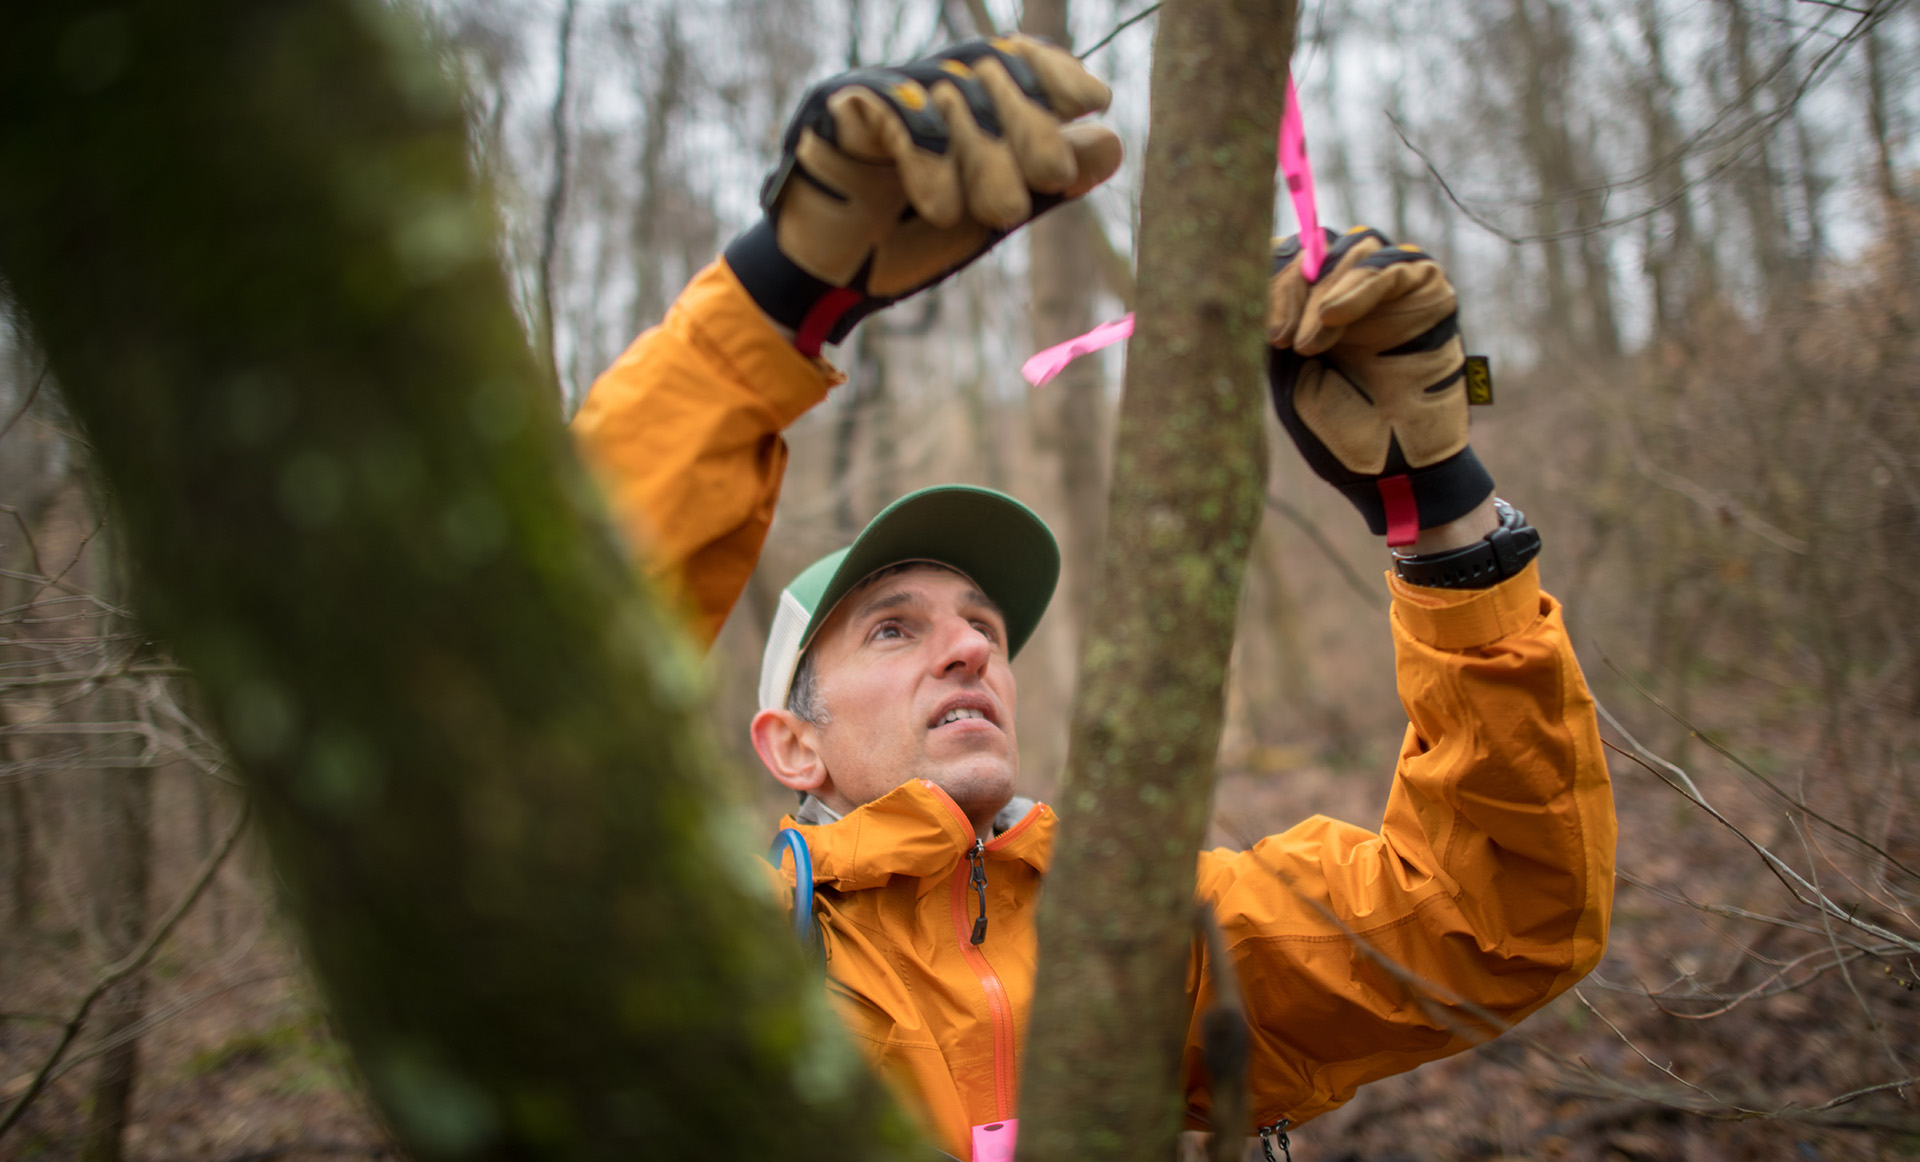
(1000, 543)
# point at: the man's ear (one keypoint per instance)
(788, 745)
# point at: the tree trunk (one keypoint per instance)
(123, 863)
(663, 103)
(1545, 58)
(249, 238)
(1189, 464)
(1063, 278)
(555, 203)
(1880, 122)
(1755, 183)
(1669, 255)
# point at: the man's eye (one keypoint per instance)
(988, 631)
(887, 630)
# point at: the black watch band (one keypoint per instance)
(1481, 565)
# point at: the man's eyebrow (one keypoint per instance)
(887, 601)
(975, 597)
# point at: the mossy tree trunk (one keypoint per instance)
(247, 236)
(1189, 467)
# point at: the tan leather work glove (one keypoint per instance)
(1371, 380)
(891, 179)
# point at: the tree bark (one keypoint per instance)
(1063, 278)
(248, 237)
(1756, 182)
(123, 862)
(1110, 1012)
(555, 203)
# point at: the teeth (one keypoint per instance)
(957, 715)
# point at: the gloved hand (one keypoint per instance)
(891, 179)
(1370, 379)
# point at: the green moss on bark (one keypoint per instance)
(247, 236)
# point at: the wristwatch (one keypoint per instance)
(1485, 563)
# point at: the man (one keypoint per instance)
(886, 695)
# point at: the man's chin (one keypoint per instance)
(976, 791)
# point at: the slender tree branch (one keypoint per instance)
(1874, 1023)
(1119, 28)
(1792, 880)
(1753, 132)
(27, 404)
(128, 965)
(1714, 503)
(1798, 803)
(1348, 573)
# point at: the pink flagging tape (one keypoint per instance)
(1299, 175)
(1054, 359)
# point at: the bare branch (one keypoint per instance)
(1715, 504)
(1873, 1022)
(1794, 882)
(1738, 142)
(125, 967)
(1368, 593)
(1119, 28)
(1798, 803)
(27, 404)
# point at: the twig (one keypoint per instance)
(1792, 880)
(1368, 593)
(126, 966)
(1714, 503)
(1873, 1023)
(1629, 1043)
(1754, 131)
(1119, 28)
(1797, 802)
(35, 394)
(158, 1017)
(55, 582)
(69, 679)
(33, 549)
(1226, 1039)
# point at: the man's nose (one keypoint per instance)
(962, 647)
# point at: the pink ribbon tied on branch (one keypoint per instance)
(1298, 173)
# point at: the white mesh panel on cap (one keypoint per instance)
(783, 652)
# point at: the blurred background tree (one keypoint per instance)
(1682, 230)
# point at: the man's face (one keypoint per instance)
(912, 669)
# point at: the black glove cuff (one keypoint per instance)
(1482, 565)
(1398, 505)
(816, 310)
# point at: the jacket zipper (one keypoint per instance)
(976, 855)
(972, 873)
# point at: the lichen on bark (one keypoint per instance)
(249, 240)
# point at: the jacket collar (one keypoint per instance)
(916, 829)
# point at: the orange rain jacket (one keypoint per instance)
(1490, 879)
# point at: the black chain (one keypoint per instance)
(1268, 1133)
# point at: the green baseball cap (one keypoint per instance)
(997, 542)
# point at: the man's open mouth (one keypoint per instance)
(962, 709)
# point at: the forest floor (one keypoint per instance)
(237, 1064)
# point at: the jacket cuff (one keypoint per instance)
(1464, 619)
(735, 329)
